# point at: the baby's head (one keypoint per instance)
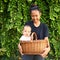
(27, 30)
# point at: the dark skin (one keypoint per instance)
(35, 16)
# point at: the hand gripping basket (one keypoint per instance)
(33, 47)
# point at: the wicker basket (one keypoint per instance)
(34, 46)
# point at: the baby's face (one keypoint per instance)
(27, 31)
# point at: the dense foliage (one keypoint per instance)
(14, 14)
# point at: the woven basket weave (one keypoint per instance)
(33, 46)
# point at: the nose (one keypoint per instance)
(34, 18)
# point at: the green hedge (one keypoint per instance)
(15, 13)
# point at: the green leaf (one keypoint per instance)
(57, 8)
(5, 0)
(55, 15)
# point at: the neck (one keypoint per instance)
(37, 23)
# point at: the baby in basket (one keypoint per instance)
(26, 33)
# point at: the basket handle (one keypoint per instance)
(33, 36)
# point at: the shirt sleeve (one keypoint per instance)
(27, 23)
(46, 33)
(21, 38)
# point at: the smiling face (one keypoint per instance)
(35, 15)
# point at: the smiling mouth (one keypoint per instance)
(35, 20)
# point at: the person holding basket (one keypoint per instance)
(40, 29)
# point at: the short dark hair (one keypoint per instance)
(34, 7)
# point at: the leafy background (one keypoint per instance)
(15, 13)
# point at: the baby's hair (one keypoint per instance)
(34, 7)
(26, 26)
